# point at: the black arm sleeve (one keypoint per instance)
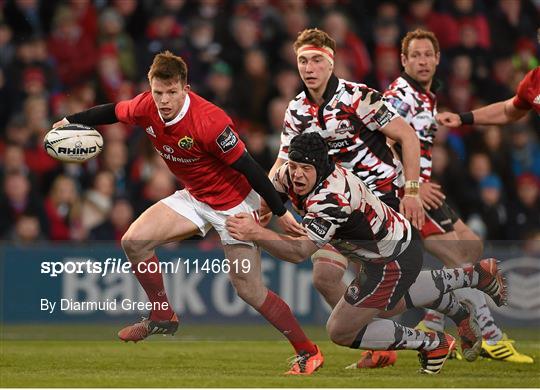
(98, 115)
(260, 182)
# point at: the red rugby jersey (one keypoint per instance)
(198, 147)
(528, 91)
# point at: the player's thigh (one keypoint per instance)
(218, 218)
(250, 256)
(160, 224)
(328, 266)
(326, 275)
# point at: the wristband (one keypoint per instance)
(467, 118)
(412, 188)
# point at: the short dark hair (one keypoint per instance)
(167, 66)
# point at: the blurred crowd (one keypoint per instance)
(61, 57)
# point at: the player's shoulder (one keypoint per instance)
(144, 100)
(140, 106)
(203, 107)
(333, 192)
(281, 175)
(298, 101)
(400, 94)
(206, 116)
(352, 87)
(400, 84)
(357, 91)
(348, 84)
(401, 88)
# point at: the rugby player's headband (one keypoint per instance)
(324, 51)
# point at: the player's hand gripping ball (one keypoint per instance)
(73, 143)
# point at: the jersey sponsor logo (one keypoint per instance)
(227, 140)
(319, 227)
(353, 292)
(383, 116)
(150, 131)
(186, 142)
(170, 157)
(342, 143)
(168, 149)
(344, 126)
(537, 100)
(401, 107)
(424, 116)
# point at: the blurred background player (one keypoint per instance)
(338, 208)
(197, 141)
(446, 237)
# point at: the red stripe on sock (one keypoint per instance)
(277, 312)
(152, 282)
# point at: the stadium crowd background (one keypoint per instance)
(60, 57)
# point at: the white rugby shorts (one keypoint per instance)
(205, 217)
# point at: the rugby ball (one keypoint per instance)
(73, 143)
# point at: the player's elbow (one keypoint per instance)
(409, 137)
(297, 258)
(301, 254)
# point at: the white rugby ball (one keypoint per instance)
(73, 143)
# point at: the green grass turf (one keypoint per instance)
(223, 356)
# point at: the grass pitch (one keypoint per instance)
(224, 356)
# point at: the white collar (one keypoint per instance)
(180, 115)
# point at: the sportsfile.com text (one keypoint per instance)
(114, 265)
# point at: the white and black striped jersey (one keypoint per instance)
(342, 211)
(418, 107)
(349, 120)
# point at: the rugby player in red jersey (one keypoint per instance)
(527, 98)
(338, 208)
(198, 142)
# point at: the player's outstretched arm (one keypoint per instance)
(500, 113)
(99, 115)
(292, 249)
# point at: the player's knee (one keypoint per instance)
(133, 244)
(473, 245)
(477, 248)
(336, 334)
(245, 287)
